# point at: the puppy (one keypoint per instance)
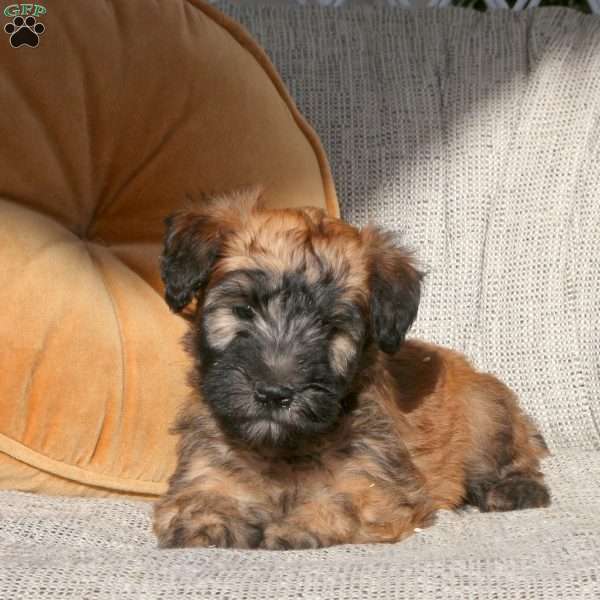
(311, 421)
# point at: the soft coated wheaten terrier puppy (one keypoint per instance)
(311, 421)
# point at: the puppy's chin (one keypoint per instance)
(268, 433)
(281, 429)
(280, 433)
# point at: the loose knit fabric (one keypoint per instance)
(477, 137)
(80, 548)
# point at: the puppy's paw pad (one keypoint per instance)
(517, 493)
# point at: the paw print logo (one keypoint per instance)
(24, 32)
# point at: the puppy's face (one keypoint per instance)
(288, 302)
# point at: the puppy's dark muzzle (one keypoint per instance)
(273, 396)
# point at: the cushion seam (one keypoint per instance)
(40, 461)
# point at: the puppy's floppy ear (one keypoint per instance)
(395, 286)
(191, 246)
(193, 239)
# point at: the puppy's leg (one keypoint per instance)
(361, 503)
(209, 505)
(202, 519)
(505, 471)
(363, 515)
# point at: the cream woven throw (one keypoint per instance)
(478, 136)
(77, 549)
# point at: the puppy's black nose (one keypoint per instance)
(273, 395)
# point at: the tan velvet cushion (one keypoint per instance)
(122, 109)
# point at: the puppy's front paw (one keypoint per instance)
(282, 536)
(197, 527)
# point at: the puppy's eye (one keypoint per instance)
(243, 311)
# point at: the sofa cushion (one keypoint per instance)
(122, 109)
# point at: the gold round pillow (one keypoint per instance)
(112, 113)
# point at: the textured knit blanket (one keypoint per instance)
(477, 137)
